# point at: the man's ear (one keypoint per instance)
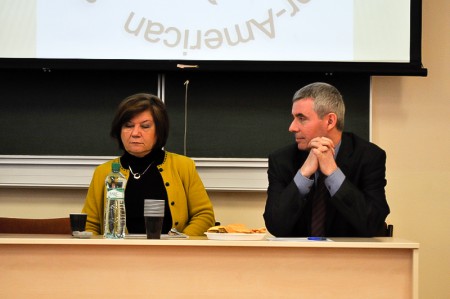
(332, 119)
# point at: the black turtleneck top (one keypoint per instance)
(149, 186)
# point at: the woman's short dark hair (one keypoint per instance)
(134, 105)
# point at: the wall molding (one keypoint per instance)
(221, 174)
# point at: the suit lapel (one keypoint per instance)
(343, 159)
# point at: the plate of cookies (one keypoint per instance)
(235, 232)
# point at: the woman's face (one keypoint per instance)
(139, 134)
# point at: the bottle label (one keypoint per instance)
(116, 193)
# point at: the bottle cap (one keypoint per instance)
(115, 167)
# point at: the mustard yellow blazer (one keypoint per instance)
(192, 211)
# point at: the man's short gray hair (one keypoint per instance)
(327, 99)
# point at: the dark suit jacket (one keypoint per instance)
(358, 209)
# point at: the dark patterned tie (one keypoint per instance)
(319, 208)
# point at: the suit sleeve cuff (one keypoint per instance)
(304, 184)
(334, 181)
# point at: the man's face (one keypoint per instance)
(306, 124)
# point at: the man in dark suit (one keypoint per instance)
(354, 201)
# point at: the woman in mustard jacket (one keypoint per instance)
(141, 126)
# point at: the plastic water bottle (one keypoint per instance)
(114, 218)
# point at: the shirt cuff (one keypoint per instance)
(334, 181)
(304, 184)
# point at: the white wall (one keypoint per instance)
(410, 121)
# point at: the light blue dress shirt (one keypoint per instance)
(333, 182)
